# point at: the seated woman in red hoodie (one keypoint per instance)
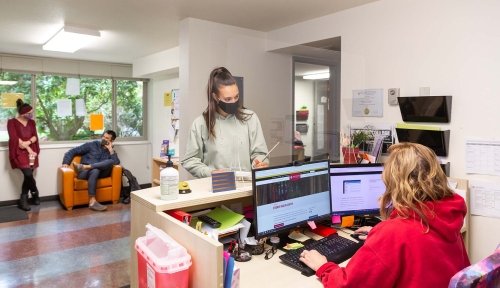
(419, 244)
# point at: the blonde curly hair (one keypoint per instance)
(412, 176)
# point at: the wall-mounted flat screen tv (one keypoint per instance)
(425, 108)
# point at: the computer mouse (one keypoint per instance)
(356, 236)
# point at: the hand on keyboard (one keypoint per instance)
(335, 249)
(313, 259)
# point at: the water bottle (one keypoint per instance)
(169, 182)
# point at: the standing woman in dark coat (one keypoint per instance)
(24, 150)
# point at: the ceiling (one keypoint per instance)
(131, 29)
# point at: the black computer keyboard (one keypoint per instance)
(335, 248)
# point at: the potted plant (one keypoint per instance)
(302, 114)
(359, 137)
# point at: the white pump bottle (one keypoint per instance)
(169, 182)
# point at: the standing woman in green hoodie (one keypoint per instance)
(226, 135)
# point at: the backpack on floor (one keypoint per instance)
(129, 183)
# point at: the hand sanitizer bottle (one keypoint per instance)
(169, 182)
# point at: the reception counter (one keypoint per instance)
(206, 253)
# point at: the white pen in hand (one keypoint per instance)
(267, 155)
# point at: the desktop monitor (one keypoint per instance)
(288, 196)
(356, 188)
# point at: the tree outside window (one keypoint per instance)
(129, 108)
(12, 83)
(95, 95)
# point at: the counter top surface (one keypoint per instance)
(201, 193)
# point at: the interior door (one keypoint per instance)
(316, 92)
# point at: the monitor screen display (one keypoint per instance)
(425, 108)
(356, 189)
(288, 196)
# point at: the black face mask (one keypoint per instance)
(229, 108)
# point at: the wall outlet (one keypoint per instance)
(393, 94)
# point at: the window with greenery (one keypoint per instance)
(129, 108)
(12, 86)
(54, 124)
(63, 116)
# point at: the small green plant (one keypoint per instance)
(358, 137)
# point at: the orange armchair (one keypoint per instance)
(74, 191)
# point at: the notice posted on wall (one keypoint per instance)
(485, 198)
(482, 157)
(368, 103)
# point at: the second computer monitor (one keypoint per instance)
(356, 189)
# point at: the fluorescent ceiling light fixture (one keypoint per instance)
(69, 39)
(8, 83)
(325, 75)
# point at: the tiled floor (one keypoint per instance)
(59, 248)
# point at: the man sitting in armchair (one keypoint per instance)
(98, 158)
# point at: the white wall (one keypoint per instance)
(162, 62)
(267, 76)
(304, 95)
(163, 70)
(160, 124)
(450, 46)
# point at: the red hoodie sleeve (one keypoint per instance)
(365, 269)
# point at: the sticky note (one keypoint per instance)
(96, 122)
(347, 221)
(72, 86)
(9, 99)
(336, 219)
(64, 108)
(311, 224)
(293, 246)
(167, 99)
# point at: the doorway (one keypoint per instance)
(316, 100)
